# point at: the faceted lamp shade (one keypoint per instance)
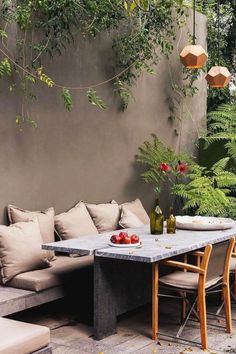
(218, 77)
(193, 56)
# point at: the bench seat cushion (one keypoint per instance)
(60, 272)
(22, 338)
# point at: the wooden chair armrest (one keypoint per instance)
(197, 254)
(182, 265)
(233, 254)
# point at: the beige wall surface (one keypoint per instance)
(89, 154)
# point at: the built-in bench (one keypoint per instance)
(20, 338)
(67, 276)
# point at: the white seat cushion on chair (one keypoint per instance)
(184, 280)
(22, 338)
(233, 264)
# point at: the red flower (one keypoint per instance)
(182, 167)
(165, 167)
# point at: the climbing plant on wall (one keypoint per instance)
(30, 30)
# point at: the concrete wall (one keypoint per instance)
(89, 154)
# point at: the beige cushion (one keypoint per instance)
(42, 279)
(20, 249)
(22, 338)
(184, 280)
(105, 216)
(75, 223)
(137, 209)
(233, 264)
(128, 219)
(46, 223)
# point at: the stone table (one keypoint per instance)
(123, 277)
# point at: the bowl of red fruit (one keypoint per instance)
(123, 240)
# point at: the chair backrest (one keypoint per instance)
(218, 262)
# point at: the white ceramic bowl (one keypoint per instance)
(203, 223)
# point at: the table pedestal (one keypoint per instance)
(119, 286)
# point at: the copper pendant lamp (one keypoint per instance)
(193, 56)
(218, 76)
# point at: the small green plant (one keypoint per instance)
(200, 190)
(208, 192)
(163, 164)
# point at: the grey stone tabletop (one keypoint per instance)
(157, 247)
(153, 248)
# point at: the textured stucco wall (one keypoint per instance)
(89, 154)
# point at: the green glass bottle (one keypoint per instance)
(156, 220)
(171, 222)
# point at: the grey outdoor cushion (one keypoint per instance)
(184, 280)
(22, 338)
(42, 279)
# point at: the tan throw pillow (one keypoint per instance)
(105, 216)
(136, 207)
(20, 249)
(75, 223)
(45, 219)
(129, 219)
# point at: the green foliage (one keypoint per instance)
(221, 126)
(152, 155)
(5, 68)
(44, 78)
(95, 100)
(67, 99)
(208, 191)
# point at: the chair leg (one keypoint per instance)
(202, 318)
(227, 305)
(183, 307)
(155, 275)
(234, 288)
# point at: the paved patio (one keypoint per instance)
(70, 334)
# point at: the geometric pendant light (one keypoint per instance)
(218, 76)
(193, 56)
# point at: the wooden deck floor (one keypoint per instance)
(70, 336)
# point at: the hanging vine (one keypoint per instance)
(46, 27)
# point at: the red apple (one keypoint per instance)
(123, 235)
(126, 240)
(134, 238)
(115, 239)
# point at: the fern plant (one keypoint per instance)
(163, 165)
(200, 190)
(208, 192)
(221, 124)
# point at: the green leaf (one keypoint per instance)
(67, 98)
(95, 100)
(44, 78)
(3, 34)
(5, 68)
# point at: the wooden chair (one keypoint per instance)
(233, 286)
(210, 276)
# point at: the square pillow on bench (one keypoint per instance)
(136, 207)
(128, 219)
(20, 249)
(45, 219)
(105, 216)
(75, 223)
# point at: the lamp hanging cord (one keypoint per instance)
(194, 22)
(218, 29)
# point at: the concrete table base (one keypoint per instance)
(119, 286)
